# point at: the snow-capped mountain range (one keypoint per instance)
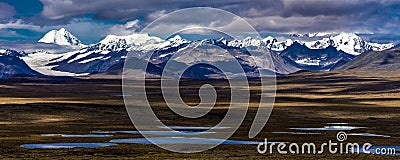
(269, 42)
(305, 58)
(311, 35)
(61, 37)
(137, 42)
(346, 42)
(288, 56)
(349, 43)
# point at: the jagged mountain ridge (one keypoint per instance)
(113, 50)
(11, 64)
(304, 58)
(384, 60)
(346, 42)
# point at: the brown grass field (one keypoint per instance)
(31, 107)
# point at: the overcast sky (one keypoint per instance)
(91, 20)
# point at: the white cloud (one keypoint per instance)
(156, 14)
(85, 29)
(129, 27)
(9, 33)
(207, 19)
(132, 24)
(19, 24)
(32, 47)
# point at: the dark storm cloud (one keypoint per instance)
(329, 8)
(6, 11)
(301, 16)
(265, 15)
(311, 8)
(120, 9)
(93, 19)
(328, 15)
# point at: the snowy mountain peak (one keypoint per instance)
(10, 52)
(223, 40)
(175, 38)
(136, 41)
(269, 38)
(243, 43)
(61, 37)
(133, 39)
(312, 35)
(350, 43)
(347, 36)
(178, 39)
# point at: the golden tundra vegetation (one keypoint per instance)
(34, 106)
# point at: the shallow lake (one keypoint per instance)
(66, 145)
(180, 140)
(329, 128)
(300, 133)
(191, 128)
(78, 135)
(368, 135)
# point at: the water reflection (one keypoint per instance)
(191, 128)
(66, 145)
(78, 135)
(329, 128)
(160, 133)
(368, 135)
(121, 95)
(180, 140)
(301, 133)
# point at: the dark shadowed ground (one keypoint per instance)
(30, 107)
